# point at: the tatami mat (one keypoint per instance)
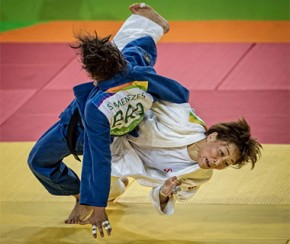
(235, 207)
(255, 84)
(234, 58)
(202, 66)
(34, 223)
(12, 100)
(26, 76)
(263, 57)
(71, 75)
(268, 112)
(267, 184)
(209, 31)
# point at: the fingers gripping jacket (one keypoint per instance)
(154, 197)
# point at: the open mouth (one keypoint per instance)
(207, 162)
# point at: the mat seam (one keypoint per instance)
(234, 66)
(39, 89)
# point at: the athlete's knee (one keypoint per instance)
(32, 161)
(35, 158)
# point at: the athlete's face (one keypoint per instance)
(216, 154)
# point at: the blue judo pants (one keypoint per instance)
(46, 161)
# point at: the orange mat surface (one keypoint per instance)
(181, 31)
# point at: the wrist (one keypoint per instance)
(95, 207)
(77, 197)
(161, 193)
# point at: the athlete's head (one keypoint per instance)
(229, 143)
(99, 56)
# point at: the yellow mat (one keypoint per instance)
(34, 222)
(236, 206)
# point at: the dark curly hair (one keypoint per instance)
(99, 56)
(238, 133)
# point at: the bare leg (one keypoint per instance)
(79, 213)
(148, 12)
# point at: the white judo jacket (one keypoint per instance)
(167, 125)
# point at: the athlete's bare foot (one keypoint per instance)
(79, 213)
(148, 12)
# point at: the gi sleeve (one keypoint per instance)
(96, 169)
(184, 194)
(160, 87)
(141, 52)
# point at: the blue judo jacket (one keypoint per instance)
(115, 107)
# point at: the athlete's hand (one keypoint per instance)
(170, 186)
(99, 221)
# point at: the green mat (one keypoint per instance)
(19, 13)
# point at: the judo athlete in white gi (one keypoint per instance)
(175, 154)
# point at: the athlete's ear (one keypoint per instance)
(212, 136)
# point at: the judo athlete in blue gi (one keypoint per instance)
(124, 87)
